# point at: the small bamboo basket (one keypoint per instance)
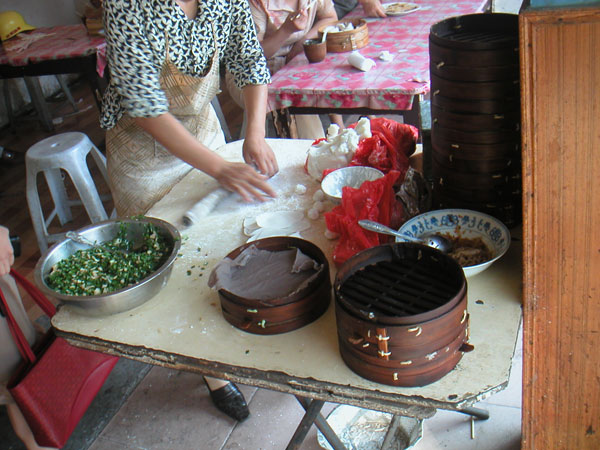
(347, 41)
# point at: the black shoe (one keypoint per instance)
(231, 401)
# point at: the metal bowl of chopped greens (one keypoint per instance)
(125, 264)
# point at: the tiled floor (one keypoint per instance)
(172, 410)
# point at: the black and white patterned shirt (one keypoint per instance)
(136, 32)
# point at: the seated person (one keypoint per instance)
(282, 26)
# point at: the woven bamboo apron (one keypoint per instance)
(140, 170)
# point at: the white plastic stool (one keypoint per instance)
(66, 151)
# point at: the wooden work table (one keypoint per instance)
(183, 327)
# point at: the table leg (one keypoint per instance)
(37, 98)
(323, 426)
(413, 115)
(8, 104)
(390, 435)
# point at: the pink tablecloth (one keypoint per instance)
(54, 43)
(335, 84)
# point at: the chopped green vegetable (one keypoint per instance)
(110, 266)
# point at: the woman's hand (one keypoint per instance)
(257, 153)
(295, 21)
(373, 8)
(243, 179)
(7, 256)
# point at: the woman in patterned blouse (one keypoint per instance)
(164, 58)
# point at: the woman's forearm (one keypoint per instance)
(274, 42)
(172, 135)
(255, 105)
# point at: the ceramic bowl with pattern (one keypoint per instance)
(466, 224)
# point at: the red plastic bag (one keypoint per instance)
(374, 200)
(389, 147)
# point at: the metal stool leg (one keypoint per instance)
(67, 92)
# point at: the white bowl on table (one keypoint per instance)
(352, 176)
(463, 223)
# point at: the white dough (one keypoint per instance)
(300, 189)
(250, 226)
(313, 214)
(363, 128)
(331, 235)
(319, 206)
(279, 219)
(332, 131)
(319, 195)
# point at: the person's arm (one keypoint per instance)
(294, 22)
(7, 256)
(256, 151)
(326, 15)
(236, 177)
(245, 60)
(373, 8)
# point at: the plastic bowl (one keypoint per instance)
(463, 223)
(353, 176)
(122, 299)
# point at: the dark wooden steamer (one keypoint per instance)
(279, 315)
(401, 314)
(489, 90)
(476, 160)
(487, 106)
(509, 121)
(509, 212)
(450, 160)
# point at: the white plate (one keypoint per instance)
(400, 8)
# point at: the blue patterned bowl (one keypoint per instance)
(466, 224)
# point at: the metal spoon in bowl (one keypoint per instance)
(434, 240)
(80, 239)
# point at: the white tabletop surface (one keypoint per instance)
(185, 321)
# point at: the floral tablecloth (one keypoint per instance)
(334, 83)
(53, 43)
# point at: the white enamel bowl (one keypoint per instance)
(465, 223)
(352, 176)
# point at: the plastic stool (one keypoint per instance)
(66, 151)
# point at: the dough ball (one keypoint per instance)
(300, 189)
(319, 206)
(312, 214)
(319, 195)
(331, 235)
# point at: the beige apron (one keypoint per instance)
(140, 170)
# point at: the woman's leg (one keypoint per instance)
(21, 428)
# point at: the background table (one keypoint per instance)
(334, 86)
(183, 327)
(64, 49)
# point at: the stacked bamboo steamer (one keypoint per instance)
(475, 114)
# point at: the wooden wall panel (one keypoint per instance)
(560, 82)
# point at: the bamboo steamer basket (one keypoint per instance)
(347, 41)
(401, 314)
(281, 314)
